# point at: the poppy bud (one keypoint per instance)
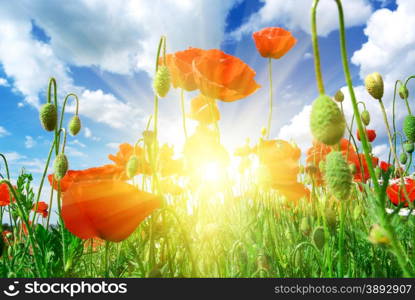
(132, 166)
(161, 83)
(365, 117)
(305, 226)
(409, 147)
(60, 165)
(326, 121)
(409, 128)
(403, 92)
(374, 85)
(403, 158)
(263, 131)
(337, 175)
(48, 116)
(318, 237)
(339, 96)
(74, 125)
(331, 218)
(148, 137)
(379, 236)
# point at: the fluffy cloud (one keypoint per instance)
(29, 142)
(4, 82)
(295, 15)
(3, 132)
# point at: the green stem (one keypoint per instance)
(270, 97)
(183, 113)
(314, 38)
(6, 165)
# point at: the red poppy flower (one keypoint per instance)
(180, 67)
(107, 209)
(42, 208)
(222, 76)
(385, 166)
(273, 42)
(5, 194)
(371, 135)
(7, 236)
(396, 194)
(204, 109)
(362, 175)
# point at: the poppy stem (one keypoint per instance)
(396, 246)
(183, 112)
(6, 165)
(314, 39)
(270, 97)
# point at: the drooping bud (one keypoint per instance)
(409, 147)
(318, 237)
(409, 128)
(48, 116)
(403, 92)
(326, 121)
(379, 236)
(403, 158)
(339, 96)
(60, 165)
(132, 166)
(337, 176)
(374, 85)
(161, 83)
(365, 117)
(74, 125)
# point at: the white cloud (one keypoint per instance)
(29, 142)
(13, 156)
(77, 143)
(113, 145)
(298, 130)
(4, 82)
(3, 132)
(71, 151)
(295, 15)
(381, 151)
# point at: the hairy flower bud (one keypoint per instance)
(305, 226)
(403, 158)
(337, 176)
(318, 237)
(48, 116)
(409, 147)
(374, 85)
(132, 166)
(161, 83)
(365, 117)
(74, 125)
(339, 96)
(60, 165)
(326, 121)
(409, 128)
(403, 92)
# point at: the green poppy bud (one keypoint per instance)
(48, 116)
(318, 237)
(339, 96)
(305, 226)
(409, 128)
(132, 166)
(403, 92)
(331, 218)
(403, 158)
(74, 125)
(161, 83)
(409, 147)
(326, 121)
(338, 176)
(365, 117)
(60, 165)
(374, 85)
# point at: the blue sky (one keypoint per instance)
(104, 52)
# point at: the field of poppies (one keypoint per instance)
(159, 211)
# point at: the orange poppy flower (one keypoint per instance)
(280, 168)
(180, 67)
(123, 155)
(42, 208)
(97, 173)
(202, 110)
(222, 76)
(5, 195)
(273, 42)
(107, 209)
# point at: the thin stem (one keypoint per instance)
(6, 165)
(314, 38)
(270, 97)
(183, 112)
